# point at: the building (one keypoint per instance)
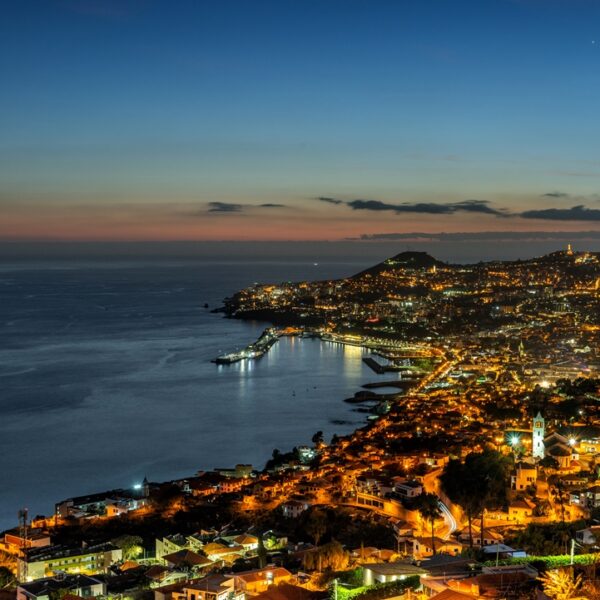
(15, 542)
(524, 476)
(258, 580)
(292, 509)
(186, 560)
(40, 563)
(538, 433)
(520, 511)
(408, 489)
(78, 585)
(101, 505)
(213, 587)
(386, 572)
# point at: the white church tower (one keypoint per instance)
(538, 434)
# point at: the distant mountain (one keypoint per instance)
(405, 260)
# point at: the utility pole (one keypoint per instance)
(23, 514)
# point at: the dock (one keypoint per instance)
(255, 350)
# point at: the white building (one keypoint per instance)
(538, 434)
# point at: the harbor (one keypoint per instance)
(254, 350)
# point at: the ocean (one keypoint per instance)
(105, 376)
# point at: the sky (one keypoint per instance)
(299, 120)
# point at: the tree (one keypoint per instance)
(329, 556)
(461, 487)
(317, 439)
(131, 545)
(477, 484)
(491, 471)
(560, 584)
(316, 526)
(7, 578)
(261, 552)
(59, 593)
(549, 462)
(428, 506)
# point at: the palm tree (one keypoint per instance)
(428, 506)
(561, 585)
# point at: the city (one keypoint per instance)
(477, 476)
(300, 300)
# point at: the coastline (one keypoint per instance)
(340, 422)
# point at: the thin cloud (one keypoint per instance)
(230, 207)
(575, 213)
(431, 208)
(481, 236)
(555, 195)
(224, 207)
(330, 200)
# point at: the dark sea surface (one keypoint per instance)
(105, 376)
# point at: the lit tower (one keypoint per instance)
(538, 434)
(569, 250)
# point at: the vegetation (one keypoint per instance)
(428, 506)
(316, 526)
(547, 562)
(561, 584)
(131, 545)
(331, 556)
(375, 592)
(7, 578)
(477, 484)
(545, 539)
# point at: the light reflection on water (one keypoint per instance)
(128, 388)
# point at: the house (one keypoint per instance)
(590, 498)
(215, 551)
(95, 505)
(489, 536)
(524, 476)
(288, 591)
(292, 509)
(422, 547)
(161, 576)
(588, 536)
(520, 511)
(248, 542)
(502, 551)
(241, 471)
(408, 489)
(258, 580)
(170, 544)
(15, 542)
(386, 572)
(450, 594)
(39, 563)
(213, 587)
(495, 582)
(186, 560)
(48, 587)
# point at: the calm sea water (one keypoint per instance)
(105, 377)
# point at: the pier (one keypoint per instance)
(255, 350)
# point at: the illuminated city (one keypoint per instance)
(300, 300)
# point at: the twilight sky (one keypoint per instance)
(297, 119)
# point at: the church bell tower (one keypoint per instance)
(538, 434)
